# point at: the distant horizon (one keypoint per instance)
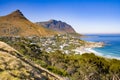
(85, 16)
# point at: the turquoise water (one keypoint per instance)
(112, 41)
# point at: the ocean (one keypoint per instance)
(112, 44)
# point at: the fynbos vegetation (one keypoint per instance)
(71, 66)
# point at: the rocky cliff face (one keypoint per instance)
(57, 26)
(16, 24)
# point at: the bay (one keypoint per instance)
(112, 44)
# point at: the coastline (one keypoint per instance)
(111, 47)
(89, 48)
(102, 54)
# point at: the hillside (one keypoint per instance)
(71, 66)
(16, 24)
(57, 26)
(17, 67)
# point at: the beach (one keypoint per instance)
(88, 48)
(82, 50)
(111, 48)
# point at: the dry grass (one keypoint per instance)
(16, 24)
(11, 67)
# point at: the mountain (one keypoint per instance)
(57, 26)
(16, 24)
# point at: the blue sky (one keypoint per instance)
(86, 16)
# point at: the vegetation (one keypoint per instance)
(12, 68)
(74, 66)
(84, 67)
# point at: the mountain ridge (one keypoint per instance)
(56, 25)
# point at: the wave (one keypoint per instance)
(102, 54)
(111, 48)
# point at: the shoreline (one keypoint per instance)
(90, 49)
(102, 55)
(87, 47)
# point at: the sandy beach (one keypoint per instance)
(88, 48)
(83, 50)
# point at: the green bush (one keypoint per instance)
(57, 70)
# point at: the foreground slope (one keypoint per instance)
(15, 24)
(13, 66)
(71, 66)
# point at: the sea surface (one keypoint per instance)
(112, 44)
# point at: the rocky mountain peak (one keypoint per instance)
(51, 20)
(16, 14)
(57, 25)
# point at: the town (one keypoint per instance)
(65, 43)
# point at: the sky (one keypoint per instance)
(85, 16)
